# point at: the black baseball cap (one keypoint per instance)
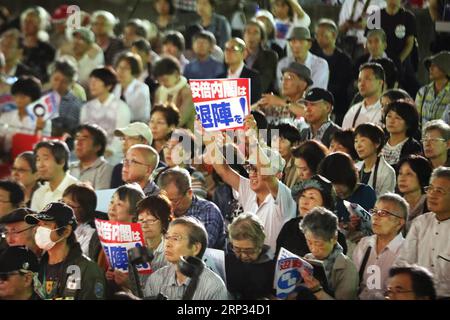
(319, 94)
(16, 215)
(59, 212)
(18, 259)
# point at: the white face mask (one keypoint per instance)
(43, 239)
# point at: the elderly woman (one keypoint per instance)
(307, 158)
(382, 248)
(249, 267)
(24, 172)
(309, 194)
(320, 229)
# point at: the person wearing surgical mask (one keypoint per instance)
(64, 273)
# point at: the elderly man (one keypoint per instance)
(410, 283)
(185, 238)
(138, 166)
(17, 232)
(177, 185)
(12, 197)
(427, 241)
(17, 268)
(319, 105)
(300, 42)
(436, 143)
(90, 145)
(134, 133)
(236, 68)
(374, 255)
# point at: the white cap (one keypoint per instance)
(135, 129)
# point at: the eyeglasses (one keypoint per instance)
(391, 291)
(233, 48)
(148, 221)
(432, 140)
(19, 170)
(287, 77)
(128, 162)
(246, 251)
(11, 233)
(176, 238)
(383, 213)
(437, 190)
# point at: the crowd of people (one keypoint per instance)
(338, 119)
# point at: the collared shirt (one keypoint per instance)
(320, 132)
(320, 71)
(14, 125)
(69, 112)
(151, 188)
(44, 195)
(237, 73)
(427, 244)
(83, 233)
(137, 97)
(272, 212)
(290, 173)
(87, 63)
(98, 173)
(210, 285)
(376, 271)
(430, 105)
(211, 217)
(371, 113)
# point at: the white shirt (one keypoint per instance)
(14, 125)
(84, 233)
(318, 66)
(376, 272)
(237, 73)
(272, 212)
(428, 245)
(346, 12)
(386, 178)
(112, 114)
(44, 195)
(137, 97)
(296, 22)
(371, 113)
(86, 64)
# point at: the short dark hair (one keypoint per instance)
(59, 150)
(197, 232)
(170, 112)
(67, 69)
(372, 132)
(171, 6)
(178, 176)
(347, 173)
(98, 136)
(30, 158)
(85, 196)
(159, 206)
(260, 118)
(396, 94)
(29, 86)
(346, 139)
(313, 152)
(377, 69)
(142, 45)
(175, 38)
(138, 27)
(133, 60)
(421, 166)
(132, 193)
(166, 66)
(15, 190)
(408, 112)
(107, 75)
(421, 279)
(206, 35)
(289, 132)
(321, 222)
(260, 25)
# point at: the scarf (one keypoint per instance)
(328, 263)
(167, 95)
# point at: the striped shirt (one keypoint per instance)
(430, 105)
(210, 285)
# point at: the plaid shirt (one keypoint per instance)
(430, 105)
(211, 217)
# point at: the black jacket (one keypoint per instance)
(92, 284)
(255, 82)
(266, 64)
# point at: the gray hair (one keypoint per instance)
(197, 232)
(41, 13)
(110, 19)
(148, 152)
(399, 201)
(247, 226)
(178, 176)
(440, 126)
(441, 172)
(321, 222)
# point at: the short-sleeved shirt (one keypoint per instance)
(98, 173)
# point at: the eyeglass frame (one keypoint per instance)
(432, 140)
(430, 189)
(246, 251)
(128, 162)
(5, 233)
(176, 238)
(148, 221)
(375, 212)
(388, 292)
